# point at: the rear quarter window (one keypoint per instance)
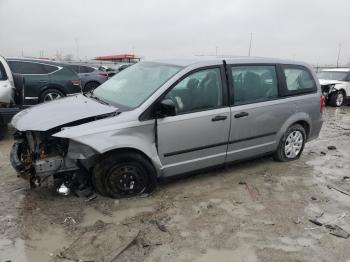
(86, 69)
(298, 80)
(24, 67)
(49, 69)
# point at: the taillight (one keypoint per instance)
(75, 82)
(103, 74)
(322, 103)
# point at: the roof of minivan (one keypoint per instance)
(236, 59)
(337, 69)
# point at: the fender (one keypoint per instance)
(295, 118)
(139, 137)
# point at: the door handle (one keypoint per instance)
(43, 81)
(243, 114)
(219, 118)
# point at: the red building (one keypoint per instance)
(119, 58)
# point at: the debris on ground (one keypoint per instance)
(315, 221)
(253, 191)
(323, 153)
(334, 229)
(331, 148)
(313, 198)
(343, 191)
(105, 243)
(297, 221)
(69, 221)
(337, 231)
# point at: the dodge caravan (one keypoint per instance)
(165, 118)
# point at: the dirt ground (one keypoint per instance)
(253, 211)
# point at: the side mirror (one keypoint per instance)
(166, 108)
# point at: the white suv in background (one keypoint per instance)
(335, 84)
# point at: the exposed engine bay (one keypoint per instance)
(36, 155)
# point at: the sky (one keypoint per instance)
(306, 30)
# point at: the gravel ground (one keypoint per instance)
(257, 210)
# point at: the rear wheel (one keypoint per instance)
(337, 99)
(91, 86)
(3, 128)
(50, 95)
(124, 175)
(292, 144)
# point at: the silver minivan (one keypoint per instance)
(169, 117)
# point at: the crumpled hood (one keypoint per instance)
(330, 82)
(59, 112)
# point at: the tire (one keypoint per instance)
(291, 145)
(90, 86)
(124, 175)
(337, 99)
(3, 129)
(53, 93)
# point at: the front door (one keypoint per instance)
(197, 136)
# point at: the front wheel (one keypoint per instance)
(337, 99)
(124, 175)
(292, 144)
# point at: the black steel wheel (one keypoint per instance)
(126, 179)
(124, 175)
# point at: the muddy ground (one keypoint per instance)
(253, 211)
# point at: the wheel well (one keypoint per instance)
(92, 81)
(305, 125)
(127, 150)
(52, 87)
(343, 91)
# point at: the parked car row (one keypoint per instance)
(27, 82)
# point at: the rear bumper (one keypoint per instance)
(6, 114)
(315, 130)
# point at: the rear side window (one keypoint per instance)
(298, 80)
(86, 69)
(253, 83)
(3, 75)
(15, 66)
(49, 69)
(75, 68)
(27, 67)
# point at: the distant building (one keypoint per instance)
(125, 58)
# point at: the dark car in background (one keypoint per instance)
(45, 80)
(115, 69)
(90, 77)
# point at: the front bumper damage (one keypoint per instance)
(38, 155)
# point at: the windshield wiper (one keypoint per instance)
(98, 99)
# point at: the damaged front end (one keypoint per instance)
(37, 156)
(327, 89)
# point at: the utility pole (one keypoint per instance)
(77, 44)
(216, 51)
(338, 55)
(250, 43)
